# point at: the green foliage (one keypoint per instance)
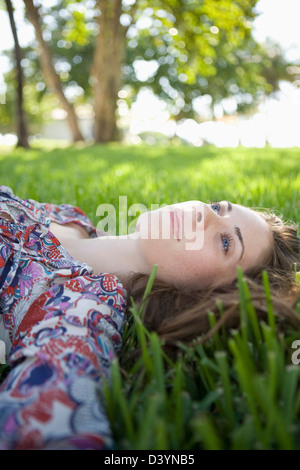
(38, 102)
(204, 48)
(200, 48)
(238, 391)
(89, 176)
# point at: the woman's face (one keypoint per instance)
(200, 245)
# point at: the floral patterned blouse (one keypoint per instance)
(62, 325)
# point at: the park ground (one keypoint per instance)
(240, 391)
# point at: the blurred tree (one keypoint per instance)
(201, 49)
(20, 114)
(189, 45)
(194, 48)
(39, 103)
(195, 51)
(51, 78)
(107, 68)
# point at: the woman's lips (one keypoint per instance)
(181, 221)
(175, 222)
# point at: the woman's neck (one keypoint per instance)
(117, 255)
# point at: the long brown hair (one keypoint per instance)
(178, 314)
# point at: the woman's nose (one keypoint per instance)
(193, 214)
(199, 212)
(209, 216)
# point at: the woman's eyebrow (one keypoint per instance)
(237, 231)
(229, 206)
(239, 235)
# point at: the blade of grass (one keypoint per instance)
(221, 358)
(141, 333)
(275, 428)
(245, 372)
(243, 307)
(271, 316)
(207, 433)
(158, 368)
(137, 313)
(289, 394)
(119, 400)
(216, 336)
(146, 427)
(177, 402)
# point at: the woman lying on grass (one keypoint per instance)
(64, 295)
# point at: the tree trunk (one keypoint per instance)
(51, 78)
(20, 118)
(107, 69)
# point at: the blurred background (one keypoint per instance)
(194, 71)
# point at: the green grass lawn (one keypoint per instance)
(240, 390)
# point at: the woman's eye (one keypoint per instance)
(216, 207)
(226, 242)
